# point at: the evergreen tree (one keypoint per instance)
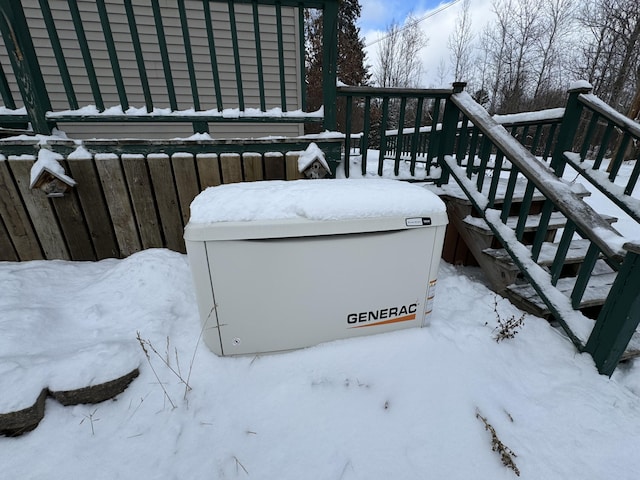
(351, 67)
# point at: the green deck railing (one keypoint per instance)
(380, 109)
(172, 75)
(537, 131)
(404, 129)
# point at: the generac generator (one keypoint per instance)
(317, 274)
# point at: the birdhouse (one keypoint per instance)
(312, 164)
(52, 184)
(49, 176)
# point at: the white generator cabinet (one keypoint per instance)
(318, 274)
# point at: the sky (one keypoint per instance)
(438, 22)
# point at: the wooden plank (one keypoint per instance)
(451, 238)
(291, 161)
(274, 166)
(252, 163)
(40, 211)
(208, 170)
(231, 168)
(462, 254)
(166, 199)
(471, 244)
(116, 195)
(73, 225)
(94, 206)
(186, 178)
(7, 252)
(16, 220)
(140, 189)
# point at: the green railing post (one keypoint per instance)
(568, 128)
(619, 316)
(449, 131)
(16, 36)
(330, 63)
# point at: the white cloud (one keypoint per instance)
(437, 28)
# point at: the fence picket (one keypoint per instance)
(116, 195)
(6, 247)
(93, 204)
(208, 170)
(231, 168)
(274, 167)
(40, 211)
(142, 200)
(166, 199)
(184, 171)
(252, 166)
(16, 220)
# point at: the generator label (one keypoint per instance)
(384, 316)
(431, 292)
(418, 222)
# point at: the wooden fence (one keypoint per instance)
(124, 202)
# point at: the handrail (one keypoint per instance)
(549, 115)
(594, 103)
(348, 90)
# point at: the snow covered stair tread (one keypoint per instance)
(556, 221)
(452, 191)
(22, 421)
(575, 254)
(596, 292)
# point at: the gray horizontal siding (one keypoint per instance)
(179, 130)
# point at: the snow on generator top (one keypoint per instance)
(343, 206)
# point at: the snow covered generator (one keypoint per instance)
(283, 265)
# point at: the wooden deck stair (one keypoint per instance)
(471, 242)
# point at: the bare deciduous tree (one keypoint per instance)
(552, 43)
(610, 51)
(460, 44)
(522, 54)
(398, 61)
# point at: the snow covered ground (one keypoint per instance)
(402, 405)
